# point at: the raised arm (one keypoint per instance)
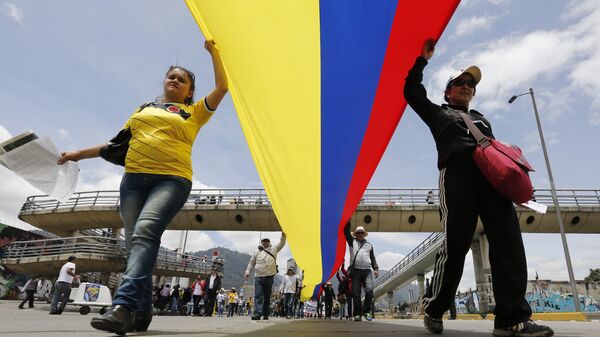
(347, 234)
(214, 98)
(281, 243)
(414, 91)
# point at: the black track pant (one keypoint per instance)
(464, 195)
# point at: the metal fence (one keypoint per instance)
(107, 247)
(425, 247)
(241, 197)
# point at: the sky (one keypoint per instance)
(75, 70)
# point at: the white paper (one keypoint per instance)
(36, 163)
(536, 206)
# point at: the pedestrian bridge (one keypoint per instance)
(380, 210)
(420, 261)
(96, 254)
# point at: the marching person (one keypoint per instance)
(345, 289)
(30, 288)
(465, 195)
(232, 300)
(288, 289)
(156, 183)
(197, 294)
(213, 284)
(328, 298)
(62, 287)
(362, 259)
(264, 263)
(221, 297)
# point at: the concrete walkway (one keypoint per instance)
(36, 322)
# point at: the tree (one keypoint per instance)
(594, 276)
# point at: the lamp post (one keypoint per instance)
(554, 198)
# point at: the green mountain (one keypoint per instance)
(234, 268)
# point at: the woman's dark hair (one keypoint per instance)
(191, 77)
(71, 258)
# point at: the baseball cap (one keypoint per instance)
(472, 70)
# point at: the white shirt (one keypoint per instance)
(211, 283)
(221, 298)
(197, 289)
(288, 285)
(64, 276)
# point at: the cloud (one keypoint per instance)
(387, 260)
(195, 240)
(470, 3)
(4, 134)
(13, 193)
(473, 25)
(397, 241)
(244, 242)
(13, 12)
(532, 142)
(103, 177)
(556, 268)
(64, 134)
(515, 62)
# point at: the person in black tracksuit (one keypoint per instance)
(464, 195)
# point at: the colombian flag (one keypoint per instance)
(318, 88)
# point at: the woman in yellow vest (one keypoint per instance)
(156, 184)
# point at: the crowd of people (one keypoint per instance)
(157, 182)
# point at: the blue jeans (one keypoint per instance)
(148, 203)
(288, 304)
(262, 295)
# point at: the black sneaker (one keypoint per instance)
(524, 329)
(117, 319)
(434, 325)
(255, 318)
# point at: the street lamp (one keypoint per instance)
(555, 199)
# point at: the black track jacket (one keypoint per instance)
(451, 135)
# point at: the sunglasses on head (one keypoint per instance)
(461, 82)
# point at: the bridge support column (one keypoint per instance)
(483, 273)
(161, 280)
(390, 298)
(421, 284)
(116, 233)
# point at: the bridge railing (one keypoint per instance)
(425, 247)
(80, 244)
(241, 197)
(107, 247)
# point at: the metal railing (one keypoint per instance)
(107, 247)
(241, 197)
(428, 245)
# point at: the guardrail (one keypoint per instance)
(425, 247)
(107, 247)
(240, 197)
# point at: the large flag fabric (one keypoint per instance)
(317, 85)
